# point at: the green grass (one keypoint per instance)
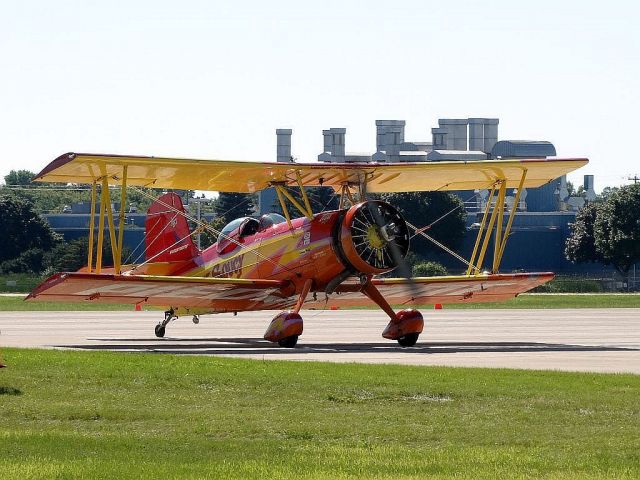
(591, 300)
(523, 301)
(17, 304)
(114, 415)
(19, 282)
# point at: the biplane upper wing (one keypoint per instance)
(239, 176)
(214, 294)
(432, 290)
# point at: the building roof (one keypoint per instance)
(523, 148)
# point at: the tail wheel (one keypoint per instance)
(160, 330)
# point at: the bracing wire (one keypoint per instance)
(144, 252)
(421, 232)
(427, 227)
(201, 224)
(444, 247)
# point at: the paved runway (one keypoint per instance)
(597, 340)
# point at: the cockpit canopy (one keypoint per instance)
(270, 219)
(242, 227)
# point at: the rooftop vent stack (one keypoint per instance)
(446, 125)
(337, 147)
(476, 134)
(589, 190)
(439, 138)
(457, 132)
(380, 135)
(284, 145)
(490, 134)
(327, 141)
(389, 136)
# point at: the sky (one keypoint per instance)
(209, 79)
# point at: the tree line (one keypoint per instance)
(608, 231)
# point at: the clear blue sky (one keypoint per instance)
(209, 79)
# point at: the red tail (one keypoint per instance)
(167, 236)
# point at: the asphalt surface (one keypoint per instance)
(596, 340)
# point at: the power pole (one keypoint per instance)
(635, 178)
(198, 201)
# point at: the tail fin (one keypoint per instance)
(167, 235)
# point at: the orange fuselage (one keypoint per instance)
(307, 250)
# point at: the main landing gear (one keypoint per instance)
(286, 327)
(405, 326)
(161, 327)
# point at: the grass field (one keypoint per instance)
(111, 415)
(14, 303)
(568, 300)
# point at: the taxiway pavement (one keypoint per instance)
(596, 340)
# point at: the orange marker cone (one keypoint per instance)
(138, 307)
(334, 307)
(437, 306)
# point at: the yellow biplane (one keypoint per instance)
(318, 260)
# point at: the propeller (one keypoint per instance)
(374, 239)
(392, 232)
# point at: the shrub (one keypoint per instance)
(29, 261)
(429, 269)
(570, 285)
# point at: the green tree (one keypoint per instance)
(608, 232)
(71, 256)
(19, 177)
(617, 229)
(30, 261)
(209, 235)
(22, 229)
(424, 208)
(580, 246)
(606, 192)
(232, 205)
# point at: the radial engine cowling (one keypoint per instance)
(374, 237)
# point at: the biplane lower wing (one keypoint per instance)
(432, 290)
(212, 294)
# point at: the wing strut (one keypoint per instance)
(480, 230)
(123, 202)
(496, 218)
(92, 224)
(507, 231)
(281, 191)
(105, 208)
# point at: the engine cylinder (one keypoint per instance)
(374, 238)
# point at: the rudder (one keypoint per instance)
(167, 234)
